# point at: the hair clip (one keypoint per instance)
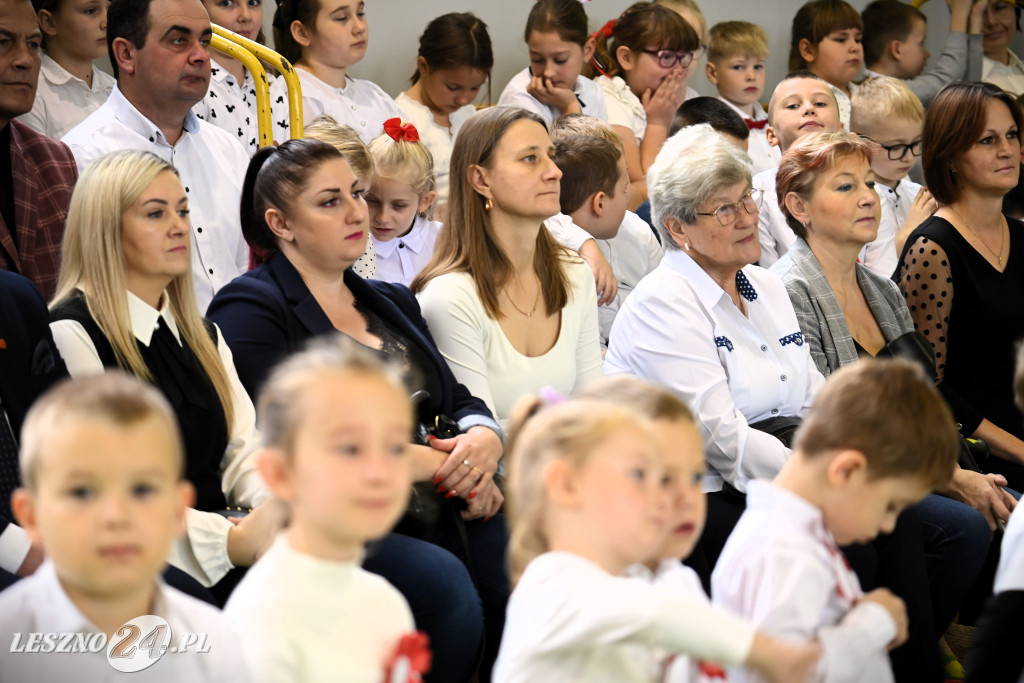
(606, 30)
(551, 396)
(398, 132)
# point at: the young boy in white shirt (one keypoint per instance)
(890, 114)
(803, 103)
(877, 439)
(102, 465)
(737, 51)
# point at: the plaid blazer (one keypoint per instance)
(817, 309)
(44, 175)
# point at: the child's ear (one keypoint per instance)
(23, 505)
(185, 497)
(597, 203)
(278, 224)
(625, 57)
(895, 50)
(300, 33)
(422, 67)
(560, 483)
(45, 18)
(711, 72)
(773, 139)
(588, 49)
(273, 466)
(427, 200)
(808, 51)
(847, 467)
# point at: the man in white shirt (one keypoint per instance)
(159, 50)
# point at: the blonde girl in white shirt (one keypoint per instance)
(323, 39)
(587, 500)
(642, 60)
(70, 87)
(400, 200)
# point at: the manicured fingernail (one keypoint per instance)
(472, 495)
(441, 489)
(487, 519)
(450, 494)
(431, 437)
(437, 479)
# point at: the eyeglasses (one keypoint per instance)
(898, 151)
(669, 58)
(728, 213)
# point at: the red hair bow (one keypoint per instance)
(413, 657)
(398, 132)
(606, 30)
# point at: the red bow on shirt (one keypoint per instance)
(413, 657)
(398, 132)
(712, 671)
(756, 125)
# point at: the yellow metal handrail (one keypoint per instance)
(249, 52)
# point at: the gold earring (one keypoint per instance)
(488, 205)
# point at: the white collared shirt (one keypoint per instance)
(38, 604)
(844, 102)
(203, 551)
(1009, 77)
(589, 94)
(569, 620)
(361, 105)
(781, 571)
(880, 254)
(212, 166)
(1010, 574)
(400, 259)
(63, 100)
(436, 138)
(680, 329)
(763, 155)
(774, 233)
(231, 108)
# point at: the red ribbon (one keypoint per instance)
(712, 671)
(413, 657)
(605, 30)
(756, 125)
(398, 132)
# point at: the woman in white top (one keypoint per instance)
(124, 300)
(453, 63)
(231, 101)
(70, 87)
(511, 311)
(560, 45)
(322, 40)
(1001, 66)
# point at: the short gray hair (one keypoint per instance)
(691, 167)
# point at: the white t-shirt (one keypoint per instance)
(1009, 77)
(438, 140)
(63, 101)
(483, 359)
(309, 620)
(589, 94)
(400, 259)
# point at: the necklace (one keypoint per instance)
(1002, 237)
(533, 310)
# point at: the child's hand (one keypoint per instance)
(896, 609)
(783, 661)
(607, 284)
(661, 105)
(923, 207)
(562, 99)
(253, 534)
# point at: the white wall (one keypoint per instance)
(395, 27)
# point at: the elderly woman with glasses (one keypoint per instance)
(718, 331)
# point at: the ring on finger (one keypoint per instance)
(477, 469)
(467, 463)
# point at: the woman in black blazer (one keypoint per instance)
(303, 212)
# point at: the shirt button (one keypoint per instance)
(775, 411)
(353, 107)
(199, 229)
(401, 245)
(782, 377)
(764, 347)
(362, 123)
(211, 271)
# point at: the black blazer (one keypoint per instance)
(269, 313)
(29, 361)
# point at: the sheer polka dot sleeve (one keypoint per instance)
(927, 285)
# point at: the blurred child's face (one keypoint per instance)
(393, 206)
(838, 58)
(559, 61)
(622, 496)
(79, 28)
(448, 90)
(866, 507)
(615, 206)
(740, 79)
(642, 70)
(107, 504)
(914, 54)
(1000, 27)
(244, 17)
(896, 131)
(801, 106)
(348, 476)
(340, 35)
(682, 452)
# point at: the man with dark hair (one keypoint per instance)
(37, 174)
(160, 49)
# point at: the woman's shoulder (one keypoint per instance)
(458, 284)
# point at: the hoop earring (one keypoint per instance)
(488, 205)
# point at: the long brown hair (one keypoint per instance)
(642, 25)
(467, 244)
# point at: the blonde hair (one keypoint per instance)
(540, 434)
(693, 8)
(582, 125)
(737, 38)
(882, 98)
(114, 397)
(92, 262)
(650, 400)
(326, 129)
(403, 161)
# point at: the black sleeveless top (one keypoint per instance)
(180, 378)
